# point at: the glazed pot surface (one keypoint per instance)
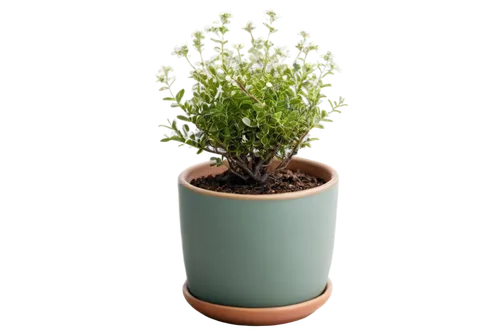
(258, 250)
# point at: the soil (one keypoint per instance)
(280, 182)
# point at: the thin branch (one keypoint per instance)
(286, 160)
(231, 163)
(245, 167)
(239, 175)
(258, 167)
(247, 93)
(242, 165)
(271, 155)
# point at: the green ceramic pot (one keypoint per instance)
(258, 250)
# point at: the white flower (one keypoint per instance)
(285, 77)
(269, 84)
(338, 66)
(161, 89)
(228, 78)
(196, 61)
(310, 44)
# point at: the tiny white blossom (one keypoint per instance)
(269, 84)
(285, 77)
(228, 78)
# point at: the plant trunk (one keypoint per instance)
(249, 170)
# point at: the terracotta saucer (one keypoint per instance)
(258, 316)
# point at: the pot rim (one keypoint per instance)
(326, 169)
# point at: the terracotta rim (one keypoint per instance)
(297, 163)
(258, 316)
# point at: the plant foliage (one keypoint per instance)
(254, 107)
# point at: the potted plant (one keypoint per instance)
(257, 223)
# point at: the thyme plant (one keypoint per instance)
(250, 108)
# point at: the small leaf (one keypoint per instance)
(181, 117)
(163, 88)
(175, 138)
(212, 70)
(314, 139)
(179, 95)
(261, 116)
(162, 125)
(174, 125)
(199, 152)
(213, 128)
(167, 98)
(246, 102)
(185, 128)
(258, 107)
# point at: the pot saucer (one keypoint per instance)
(258, 316)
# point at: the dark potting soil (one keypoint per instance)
(280, 182)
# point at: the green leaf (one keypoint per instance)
(181, 117)
(185, 128)
(179, 95)
(246, 102)
(167, 98)
(199, 152)
(261, 116)
(213, 128)
(212, 70)
(258, 107)
(174, 125)
(174, 138)
(163, 125)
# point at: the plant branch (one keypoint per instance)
(271, 155)
(287, 159)
(247, 93)
(258, 167)
(232, 169)
(237, 174)
(248, 171)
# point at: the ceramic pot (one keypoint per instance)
(258, 251)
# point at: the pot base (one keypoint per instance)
(258, 316)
